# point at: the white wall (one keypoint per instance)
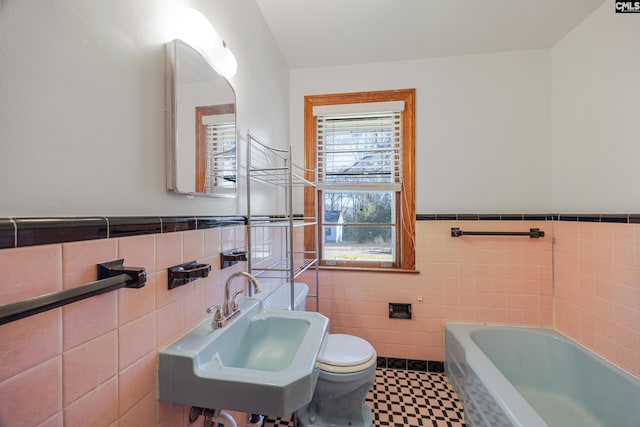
(595, 115)
(482, 126)
(82, 123)
(82, 98)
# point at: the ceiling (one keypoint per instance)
(317, 33)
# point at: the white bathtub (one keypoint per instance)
(527, 377)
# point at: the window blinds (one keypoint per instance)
(220, 175)
(360, 151)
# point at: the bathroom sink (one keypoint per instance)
(262, 361)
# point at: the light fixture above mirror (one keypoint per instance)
(196, 30)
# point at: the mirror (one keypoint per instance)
(201, 125)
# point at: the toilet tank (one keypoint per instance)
(280, 299)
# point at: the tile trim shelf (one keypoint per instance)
(22, 232)
(607, 218)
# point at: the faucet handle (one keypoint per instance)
(217, 311)
(235, 299)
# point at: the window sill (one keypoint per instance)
(370, 269)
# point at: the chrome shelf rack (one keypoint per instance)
(274, 166)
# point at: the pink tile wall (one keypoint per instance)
(597, 288)
(504, 280)
(99, 356)
(93, 362)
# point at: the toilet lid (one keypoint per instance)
(345, 353)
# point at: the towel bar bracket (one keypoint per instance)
(138, 275)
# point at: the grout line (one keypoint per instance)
(15, 232)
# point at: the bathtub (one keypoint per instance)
(526, 377)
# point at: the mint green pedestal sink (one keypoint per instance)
(262, 361)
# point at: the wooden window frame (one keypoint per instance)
(201, 150)
(406, 204)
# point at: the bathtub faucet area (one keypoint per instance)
(229, 309)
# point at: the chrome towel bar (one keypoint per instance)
(534, 233)
(111, 276)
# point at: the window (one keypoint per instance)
(216, 149)
(220, 165)
(362, 146)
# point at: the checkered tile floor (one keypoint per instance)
(407, 399)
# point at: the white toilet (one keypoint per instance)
(347, 370)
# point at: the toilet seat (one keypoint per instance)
(343, 354)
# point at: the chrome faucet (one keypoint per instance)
(230, 305)
(229, 309)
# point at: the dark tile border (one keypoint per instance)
(468, 217)
(610, 218)
(536, 217)
(45, 231)
(395, 363)
(435, 366)
(425, 217)
(485, 217)
(7, 233)
(511, 217)
(22, 232)
(489, 217)
(418, 365)
(622, 219)
(178, 223)
(227, 221)
(134, 226)
(410, 364)
(210, 222)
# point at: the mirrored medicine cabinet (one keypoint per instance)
(201, 125)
